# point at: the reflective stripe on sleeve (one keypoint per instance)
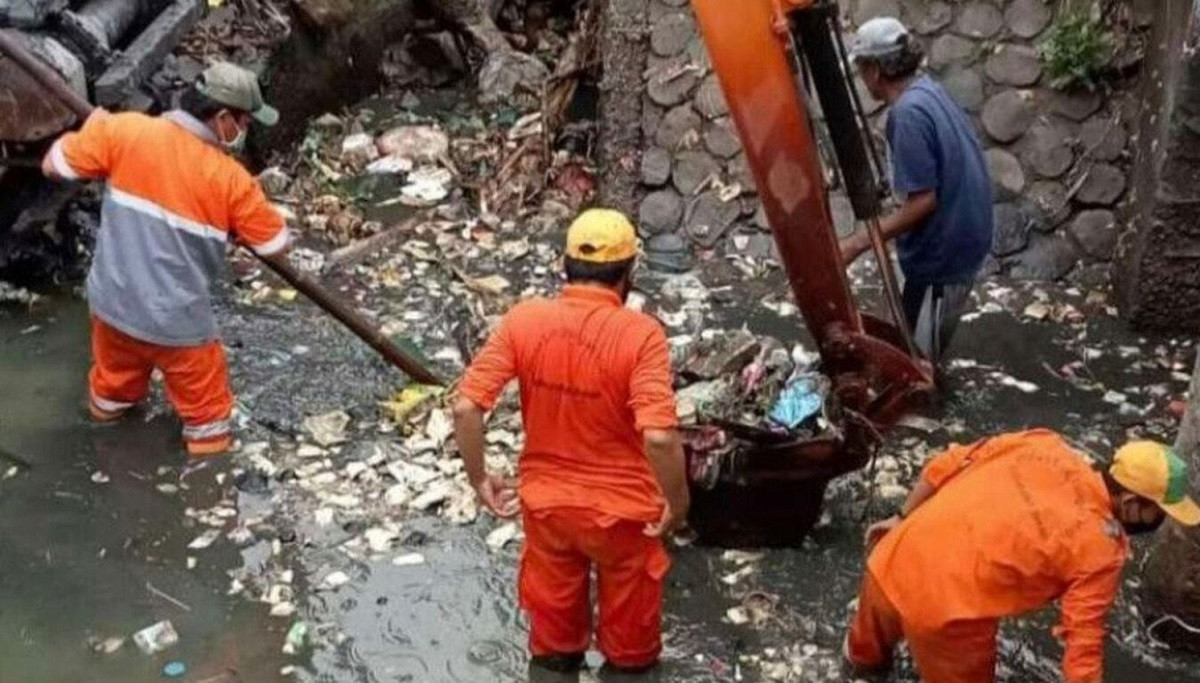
(273, 246)
(59, 161)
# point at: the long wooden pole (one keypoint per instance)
(302, 282)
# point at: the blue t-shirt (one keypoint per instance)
(934, 147)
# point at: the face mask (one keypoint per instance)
(238, 143)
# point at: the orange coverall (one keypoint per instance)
(173, 201)
(1017, 521)
(593, 376)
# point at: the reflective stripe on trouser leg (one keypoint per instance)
(197, 384)
(208, 431)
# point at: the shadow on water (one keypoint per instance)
(85, 560)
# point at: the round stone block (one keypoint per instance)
(1103, 186)
(1027, 18)
(1015, 65)
(1008, 179)
(710, 100)
(675, 126)
(1007, 115)
(691, 169)
(1010, 229)
(979, 20)
(708, 218)
(950, 49)
(1096, 232)
(720, 139)
(656, 167)
(660, 212)
(671, 33)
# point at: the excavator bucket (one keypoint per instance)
(28, 113)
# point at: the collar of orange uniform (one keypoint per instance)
(191, 124)
(589, 293)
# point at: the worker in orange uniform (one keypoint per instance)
(1003, 527)
(174, 200)
(601, 476)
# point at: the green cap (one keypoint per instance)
(236, 88)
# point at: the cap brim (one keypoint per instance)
(266, 115)
(1186, 512)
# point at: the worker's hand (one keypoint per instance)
(498, 495)
(673, 517)
(878, 530)
(853, 246)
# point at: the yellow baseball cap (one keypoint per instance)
(601, 236)
(1154, 471)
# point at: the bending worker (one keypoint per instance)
(948, 567)
(943, 226)
(174, 200)
(601, 477)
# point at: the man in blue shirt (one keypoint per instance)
(943, 226)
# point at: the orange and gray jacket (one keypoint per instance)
(173, 201)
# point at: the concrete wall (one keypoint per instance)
(1157, 277)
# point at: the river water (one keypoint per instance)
(85, 561)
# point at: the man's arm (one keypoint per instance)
(664, 450)
(85, 154)
(496, 493)
(912, 214)
(653, 403)
(493, 367)
(1085, 608)
(257, 224)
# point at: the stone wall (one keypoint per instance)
(1058, 160)
(1158, 278)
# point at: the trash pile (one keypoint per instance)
(733, 387)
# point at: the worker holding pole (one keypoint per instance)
(601, 476)
(175, 198)
(943, 226)
(946, 569)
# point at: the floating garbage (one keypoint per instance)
(379, 539)
(390, 165)
(328, 429)
(156, 637)
(803, 397)
(205, 539)
(174, 669)
(421, 144)
(502, 535)
(108, 645)
(335, 579)
(426, 186)
(408, 560)
(297, 637)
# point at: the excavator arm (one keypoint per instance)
(759, 49)
(763, 51)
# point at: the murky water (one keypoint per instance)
(81, 559)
